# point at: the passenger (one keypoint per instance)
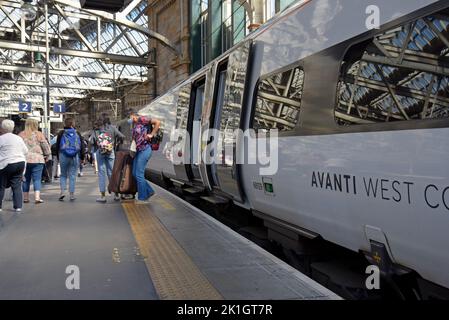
(54, 153)
(13, 153)
(84, 146)
(92, 151)
(141, 136)
(38, 153)
(104, 140)
(69, 153)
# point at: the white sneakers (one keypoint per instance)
(102, 199)
(19, 211)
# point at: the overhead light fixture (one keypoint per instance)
(29, 11)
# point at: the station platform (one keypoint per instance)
(164, 250)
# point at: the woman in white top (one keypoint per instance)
(13, 153)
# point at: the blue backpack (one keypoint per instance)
(70, 143)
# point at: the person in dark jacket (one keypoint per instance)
(69, 151)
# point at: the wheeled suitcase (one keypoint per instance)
(122, 180)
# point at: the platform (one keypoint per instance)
(165, 250)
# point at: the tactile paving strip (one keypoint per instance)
(173, 273)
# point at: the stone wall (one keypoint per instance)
(165, 18)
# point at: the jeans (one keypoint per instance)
(140, 162)
(12, 176)
(69, 168)
(105, 165)
(33, 171)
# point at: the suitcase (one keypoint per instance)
(122, 180)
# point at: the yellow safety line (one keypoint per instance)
(172, 271)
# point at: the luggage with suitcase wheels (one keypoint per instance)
(122, 180)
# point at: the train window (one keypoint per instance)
(183, 107)
(279, 100)
(400, 75)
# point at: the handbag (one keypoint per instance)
(133, 149)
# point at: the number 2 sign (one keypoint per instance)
(25, 106)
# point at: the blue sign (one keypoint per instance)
(25, 106)
(59, 108)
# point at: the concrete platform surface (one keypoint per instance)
(37, 247)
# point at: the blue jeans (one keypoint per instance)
(140, 162)
(69, 169)
(105, 165)
(33, 171)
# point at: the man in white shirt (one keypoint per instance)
(13, 153)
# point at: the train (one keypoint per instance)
(359, 112)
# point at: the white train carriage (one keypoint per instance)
(363, 124)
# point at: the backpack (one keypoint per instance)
(70, 143)
(105, 142)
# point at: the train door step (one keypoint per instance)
(216, 200)
(194, 190)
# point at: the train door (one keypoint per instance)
(196, 108)
(231, 79)
(212, 121)
(205, 125)
(181, 145)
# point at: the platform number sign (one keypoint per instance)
(59, 108)
(25, 107)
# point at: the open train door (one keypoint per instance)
(227, 120)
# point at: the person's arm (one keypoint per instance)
(156, 125)
(82, 153)
(93, 141)
(118, 133)
(24, 147)
(46, 149)
(58, 143)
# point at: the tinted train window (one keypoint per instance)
(183, 107)
(399, 76)
(279, 101)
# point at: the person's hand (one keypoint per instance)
(149, 137)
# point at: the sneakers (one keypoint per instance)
(102, 199)
(18, 211)
(72, 197)
(116, 197)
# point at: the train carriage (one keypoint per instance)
(362, 121)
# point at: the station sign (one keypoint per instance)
(25, 107)
(59, 108)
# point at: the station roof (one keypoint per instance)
(89, 51)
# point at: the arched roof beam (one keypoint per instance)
(120, 18)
